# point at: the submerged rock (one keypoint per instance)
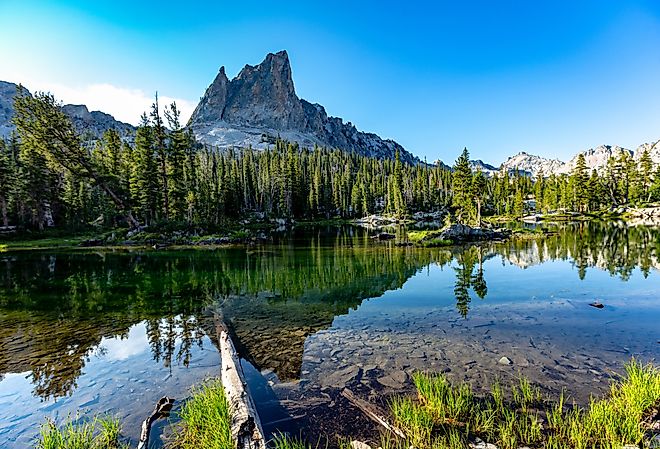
(394, 381)
(505, 361)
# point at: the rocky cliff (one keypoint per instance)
(90, 124)
(260, 104)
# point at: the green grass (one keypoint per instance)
(282, 441)
(428, 239)
(99, 433)
(205, 419)
(446, 416)
(40, 243)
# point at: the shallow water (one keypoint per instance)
(112, 331)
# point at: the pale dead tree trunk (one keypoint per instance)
(246, 429)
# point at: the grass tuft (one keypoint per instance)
(205, 419)
(99, 433)
(446, 416)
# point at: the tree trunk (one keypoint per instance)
(246, 427)
(3, 209)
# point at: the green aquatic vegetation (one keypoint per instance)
(98, 433)
(205, 419)
(446, 416)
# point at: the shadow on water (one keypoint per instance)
(57, 307)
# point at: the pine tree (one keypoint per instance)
(158, 131)
(579, 180)
(646, 175)
(6, 175)
(400, 208)
(539, 191)
(478, 186)
(462, 188)
(175, 164)
(144, 182)
(47, 134)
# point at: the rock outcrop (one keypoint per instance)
(458, 233)
(260, 104)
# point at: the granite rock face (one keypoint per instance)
(261, 104)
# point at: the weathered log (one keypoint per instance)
(372, 412)
(161, 410)
(246, 427)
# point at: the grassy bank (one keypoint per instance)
(446, 416)
(442, 416)
(428, 239)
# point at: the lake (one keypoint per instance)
(111, 331)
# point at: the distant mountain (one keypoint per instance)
(596, 159)
(485, 168)
(7, 93)
(260, 104)
(530, 164)
(95, 123)
(91, 124)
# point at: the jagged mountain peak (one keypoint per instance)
(261, 103)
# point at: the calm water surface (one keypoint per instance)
(112, 331)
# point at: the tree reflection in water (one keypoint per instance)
(56, 307)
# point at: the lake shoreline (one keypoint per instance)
(156, 237)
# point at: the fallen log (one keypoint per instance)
(161, 410)
(246, 427)
(372, 412)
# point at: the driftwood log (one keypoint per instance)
(161, 410)
(372, 412)
(246, 427)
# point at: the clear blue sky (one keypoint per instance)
(499, 77)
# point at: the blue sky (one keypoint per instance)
(550, 78)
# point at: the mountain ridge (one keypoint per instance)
(86, 122)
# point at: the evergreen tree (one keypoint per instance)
(645, 175)
(478, 186)
(176, 163)
(579, 180)
(462, 188)
(47, 134)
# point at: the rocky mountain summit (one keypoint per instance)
(90, 124)
(526, 163)
(596, 159)
(260, 104)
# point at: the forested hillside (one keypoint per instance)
(51, 177)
